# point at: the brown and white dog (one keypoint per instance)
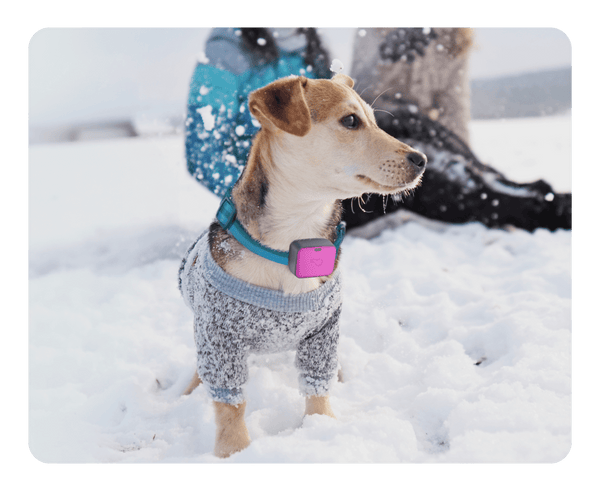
(318, 144)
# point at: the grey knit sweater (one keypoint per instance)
(233, 318)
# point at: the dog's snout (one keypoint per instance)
(418, 159)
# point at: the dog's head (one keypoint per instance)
(328, 127)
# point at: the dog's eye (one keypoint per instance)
(351, 121)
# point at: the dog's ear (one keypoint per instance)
(343, 79)
(282, 104)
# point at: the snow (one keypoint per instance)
(208, 118)
(202, 58)
(455, 340)
(529, 148)
(336, 66)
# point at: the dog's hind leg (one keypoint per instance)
(232, 433)
(196, 381)
(318, 405)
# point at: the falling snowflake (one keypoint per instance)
(336, 66)
(207, 117)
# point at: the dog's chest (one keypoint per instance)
(242, 264)
(266, 274)
(239, 325)
(243, 316)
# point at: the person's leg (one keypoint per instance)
(426, 69)
(418, 79)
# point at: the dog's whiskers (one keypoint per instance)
(367, 87)
(360, 198)
(389, 88)
(382, 110)
(363, 210)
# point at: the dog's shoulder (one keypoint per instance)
(221, 246)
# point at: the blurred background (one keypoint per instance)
(92, 83)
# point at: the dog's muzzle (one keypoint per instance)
(417, 159)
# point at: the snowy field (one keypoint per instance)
(455, 340)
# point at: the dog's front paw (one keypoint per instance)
(232, 433)
(230, 442)
(318, 405)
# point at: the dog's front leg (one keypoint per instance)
(232, 433)
(196, 381)
(318, 405)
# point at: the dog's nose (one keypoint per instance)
(418, 159)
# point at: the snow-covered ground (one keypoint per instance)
(455, 345)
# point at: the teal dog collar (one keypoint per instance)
(227, 218)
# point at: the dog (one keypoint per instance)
(318, 144)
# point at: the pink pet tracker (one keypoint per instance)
(309, 258)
